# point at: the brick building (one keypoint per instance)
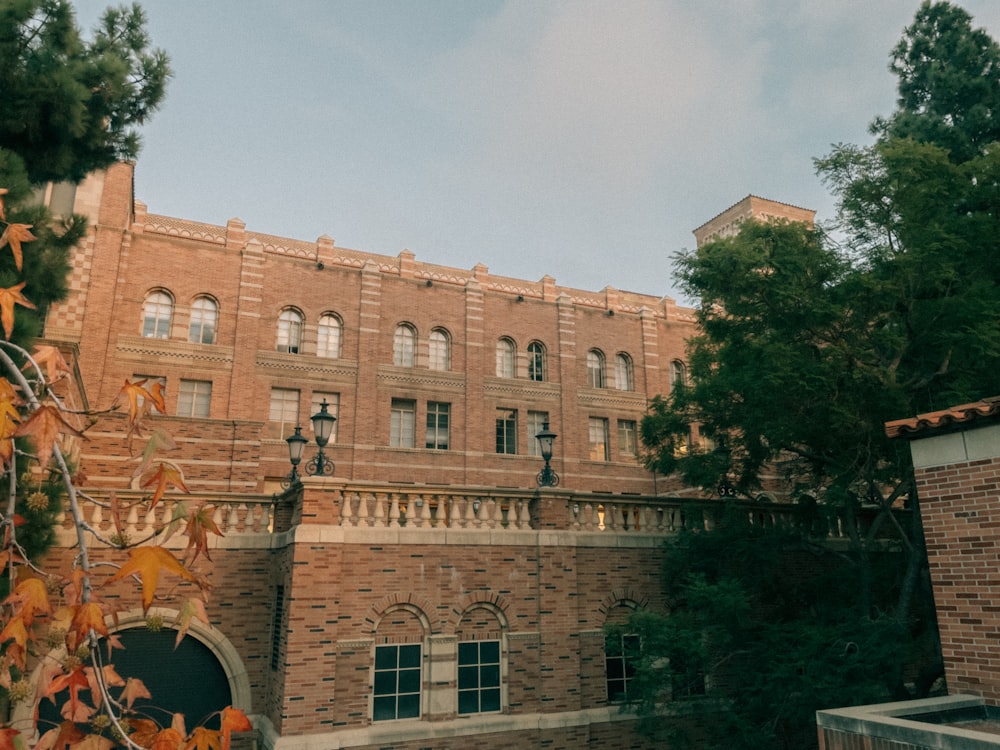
(427, 594)
(956, 460)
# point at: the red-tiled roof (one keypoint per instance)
(945, 420)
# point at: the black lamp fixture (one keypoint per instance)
(319, 465)
(546, 477)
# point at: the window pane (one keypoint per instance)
(384, 708)
(506, 431)
(402, 423)
(598, 428)
(289, 332)
(157, 312)
(439, 351)
(468, 702)
(536, 423)
(468, 653)
(536, 362)
(489, 676)
(490, 651)
(328, 337)
(409, 706)
(204, 314)
(595, 369)
(385, 682)
(505, 358)
(490, 700)
(409, 656)
(468, 678)
(386, 658)
(437, 425)
(284, 412)
(402, 346)
(194, 398)
(623, 373)
(409, 680)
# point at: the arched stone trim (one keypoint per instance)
(625, 597)
(495, 603)
(210, 636)
(409, 602)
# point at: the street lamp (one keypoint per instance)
(546, 477)
(319, 465)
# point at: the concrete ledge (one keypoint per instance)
(900, 722)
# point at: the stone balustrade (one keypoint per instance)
(360, 506)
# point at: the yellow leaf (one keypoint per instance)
(148, 563)
(30, 598)
(52, 361)
(164, 476)
(8, 298)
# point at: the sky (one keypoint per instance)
(582, 139)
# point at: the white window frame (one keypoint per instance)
(328, 336)
(439, 350)
(157, 315)
(204, 320)
(290, 323)
(194, 398)
(402, 423)
(506, 357)
(404, 346)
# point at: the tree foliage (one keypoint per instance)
(811, 339)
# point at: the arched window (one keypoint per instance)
(536, 361)
(624, 380)
(505, 358)
(204, 316)
(595, 368)
(403, 345)
(678, 373)
(328, 336)
(439, 353)
(290, 331)
(157, 312)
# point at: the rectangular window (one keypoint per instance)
(397, 682)
(507, 431)
(598, 428)
(478, 677)
(402, 423)
(437, 425)
(627, 444)
(332, 408)
(621, 652)
(284, 412)
(536, 422)
(194, 398)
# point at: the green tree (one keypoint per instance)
(68, 106)
(954, 105)
(810, 340)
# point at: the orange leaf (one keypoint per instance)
(148, 563)
(30, 598)
(134, 690)
(51, 359)
(17, 632)
(233, 720)
(8, 298)
(204, 739)
(3, 211)
(67, 734)
(10, 739)
(45, 424)
(14, 235)
(74, 681)
(199, 523)
(144, 731)
(164, 476)
(87, 617)
(167, 739)
(94, 742)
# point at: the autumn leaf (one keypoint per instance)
(144, 731)
(87, 617)
(148, 563)
(191, 609)
(199, 523)
(30, 598)
(134, 690)
(17, 632)
(8, 298)
(166, 475)
(52, 361)
(74, 681)
(233, 720)
(14, 235)
(10, 739)
(45, 423)
(67, 734)
(204, 739)
(3, 211)
(94, 742)
(167, 739)
(158, 440)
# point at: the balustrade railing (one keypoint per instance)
(361, 507)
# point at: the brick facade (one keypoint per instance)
(402, 546)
